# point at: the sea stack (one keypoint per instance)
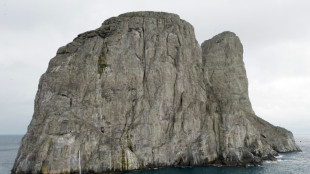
(140, 92)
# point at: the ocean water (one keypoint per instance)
(287, 163)
(9, 145)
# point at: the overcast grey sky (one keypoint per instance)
(275, 36)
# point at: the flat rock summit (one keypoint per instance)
(140, 92)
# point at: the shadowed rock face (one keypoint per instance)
(140, 92)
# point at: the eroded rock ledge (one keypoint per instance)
(140, 92)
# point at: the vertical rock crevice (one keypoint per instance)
(102, 60)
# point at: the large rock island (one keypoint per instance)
(140, 92)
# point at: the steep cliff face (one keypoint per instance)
(243, 137)
(140, 92)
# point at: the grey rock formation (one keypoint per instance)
(243, 137)
(140, 92)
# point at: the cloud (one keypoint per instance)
(283, 101)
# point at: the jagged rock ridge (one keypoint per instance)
(140, 92)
